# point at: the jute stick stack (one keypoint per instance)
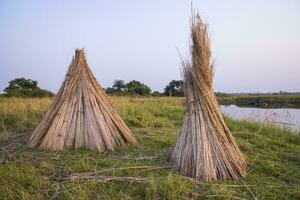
(81, 115)
(205, 149)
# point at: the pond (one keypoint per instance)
(281, 117)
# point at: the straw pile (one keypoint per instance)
(81, 115)
(205, 149)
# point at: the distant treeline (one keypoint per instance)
(134, 87)
(22, 87)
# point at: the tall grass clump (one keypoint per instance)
(22, 114)
(149, 112)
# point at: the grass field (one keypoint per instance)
(273, 156)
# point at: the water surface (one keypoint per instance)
(281, 117)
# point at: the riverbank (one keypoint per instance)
(265, 101)
(288, 118)
(272, 154)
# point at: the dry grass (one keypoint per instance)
(22, 113)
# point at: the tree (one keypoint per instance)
(21, 83)
(110, 90)
(119, 85)
(174, 88)
(21, 87)
(138, 88)
(156, 94)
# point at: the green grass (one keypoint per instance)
(273, 156)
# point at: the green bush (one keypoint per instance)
(21, 87)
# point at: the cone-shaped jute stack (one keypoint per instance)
(205, 149)
(81, 115)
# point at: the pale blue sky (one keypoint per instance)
(256, 44)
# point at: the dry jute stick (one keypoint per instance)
(95, 174)
(205, 149)
(81, 115)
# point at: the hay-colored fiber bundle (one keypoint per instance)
(81, 115)
(205, 149)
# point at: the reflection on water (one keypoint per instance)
(282, 117)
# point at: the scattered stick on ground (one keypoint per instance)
(99, 178)
(92, 175)
(146, 158)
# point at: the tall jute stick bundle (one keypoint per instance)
(205, 149)
(81, 115)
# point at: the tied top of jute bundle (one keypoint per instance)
(208, 93)
(202, 96)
